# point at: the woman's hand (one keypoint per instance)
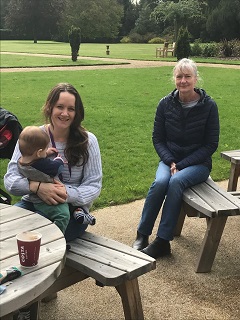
(173, 168)
(50, 193)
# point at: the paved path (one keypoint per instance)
(123, 63)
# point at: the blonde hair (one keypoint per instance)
(186, 64)
(32, 139)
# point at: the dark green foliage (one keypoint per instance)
(236, 47)
(210, 50)
(229, 48)
(183, 48)
(223, 22)
(156, 40)
(226, 48)
(196, 49)
(33, 19)
(130, 14)
(74, 36)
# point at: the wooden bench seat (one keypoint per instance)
(110, 263)
(208, 200)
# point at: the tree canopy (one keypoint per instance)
(33, 18)
(103, 20)
(179, 14)
(96, 19)
(224, 20)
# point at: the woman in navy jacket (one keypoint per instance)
(185, 135)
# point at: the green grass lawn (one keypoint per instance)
(21, 61)
(117, 50)
(120, 106)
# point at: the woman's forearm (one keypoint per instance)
(14, 182)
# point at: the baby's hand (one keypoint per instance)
(51, 151)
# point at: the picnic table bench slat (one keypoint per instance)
(110, 257)
(208, 200)
(110, 263)
(103, 273)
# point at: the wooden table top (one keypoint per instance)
(36, 280)
(232, 155)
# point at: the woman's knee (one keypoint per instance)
(160, 183)
(176, 182)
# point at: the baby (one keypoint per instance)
(35, 165)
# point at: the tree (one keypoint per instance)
(33, 18)
(212, 4)
(130, 15)
(3, 12)
(179, 14)
(224, 21)
(74, 36)
(150, 3)
(96, 19)
(183, 48)
(144, 23)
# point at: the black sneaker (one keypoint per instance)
(158, 248)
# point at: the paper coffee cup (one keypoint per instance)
(28, 248)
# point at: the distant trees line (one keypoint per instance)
(111, 20)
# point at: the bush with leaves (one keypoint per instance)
(236, 48)
(226, 48)
(183, 48)
(125, 40)
(196, 49)
(136, 37)
(74, 36)
(156, 40)
(210, 50)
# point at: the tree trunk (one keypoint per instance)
(74, 55)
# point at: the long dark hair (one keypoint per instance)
(77, 143)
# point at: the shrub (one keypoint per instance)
(183, 48)
(136, 37)
(148, 36)
(236, 48)
(125, 40)
(156, 40)
(196, 49)
(225, 48)
(75, 40)
(229, 48)
(210, 50)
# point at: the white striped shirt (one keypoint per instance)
(83, 185)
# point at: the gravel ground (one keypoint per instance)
(173, 291)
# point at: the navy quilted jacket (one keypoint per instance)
(186, 138)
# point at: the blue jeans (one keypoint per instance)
(168, 188)
(73, 230)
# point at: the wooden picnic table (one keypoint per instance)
(234, 157)
(109, 262)
(36, 280)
